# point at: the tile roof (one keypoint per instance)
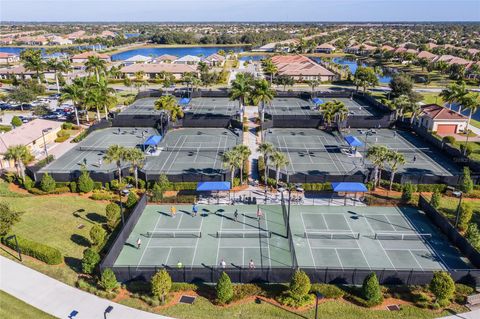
(167, 57)
(426, 55)
(7, 55)
(86, 55)
(299, 65)
(438, 112)
(159, 67)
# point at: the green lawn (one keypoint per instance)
(13, 308)
(203, 309)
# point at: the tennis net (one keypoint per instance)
(401, 236)
(412, 150)
(92, 148)
(196, 149)
(331, 235)
(330, 149)
(244, 234)
(174, 234)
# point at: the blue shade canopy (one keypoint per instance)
(317, 101)
(353, 141)
(213, 186)
(349, 187)
(184, 101)
(153, 140)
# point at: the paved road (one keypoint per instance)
(59, 299)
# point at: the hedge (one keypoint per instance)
(317, 186)
(416, 187)
(179, 199)
(47, 254)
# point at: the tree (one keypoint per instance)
(466, 213)
(407, 192)
(135, 157)
(58, 67)
(224, 289)
(262, 93)
(127, 82)
(85, 182)
(97, 235)
(232, 160)
(241, 89)
(466, 184)
(244, 153)
(299, 285)
(454, 93)
(90, 260)
(443, 287)
(96, 65)
(23, 95)
(76, 93)
(32, 61)
(378, 155)
(8, 218)
(401, 104)
(116, 154)
(284, 80)
(394, 159)
(16, 121)
(98, 95)
(401, 84)
(112, 212)
(161, 284)
(473, 235)
(470, 102)
(169, 103)
(47, 184)
(371, 290)
(108, 280)
(269, 68)
(266, 149)
(21, 155)
(279, 160)
(334, 111)
(313, 84)
(365, 77)
(132, 200)
(436, 198)
(160, 187)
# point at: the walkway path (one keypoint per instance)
(59, 299)
(250, 139)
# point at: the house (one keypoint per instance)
(361, 49)
(188, 59)
(38, 40)
(282, 46)
(8, 58)
(215, 60)
(108, 34)
(20, 72)
(56, 40)
(439, 119)
(302, 68)
(165, 58)
(473, 52)
(30, 134)
(325, 48)
(137, 59)
(75, 35)
(6, 40)
(426, 55)
(387, 48)
(431, 45)
(83, 57)
(151, 70)
(451, 59)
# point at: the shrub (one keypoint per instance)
(97, 235)
(407, 192)
(246, 290)
(8, 218)
(473, 235)
(299, 285)
(73, 187)
(67, 126)
(224, 289)
(90, 260)
(47, 254)
(132, 200)
(97, 186)
(466, 184)
(449, 140)
(443, 287)
(85, 183)
(112, 211)
(63, 138)
(179, 199)
(16, 121)
(461, 293)
(183, 286)
(467, 150)
(28, 183)
(141, 184)
(108, 281)
(328, 291)
(101, 195)
(161, 284)
(47, 184)
(80, 137)
(435, 200)
(466, 213)
(61, 190)
(371, 291)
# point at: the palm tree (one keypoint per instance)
(32, 61)
(58, 67)
(394, 159)
(96, 65)
(21, 155)
(334, 111)
(170, 104)
(76, 93)
(313, 84)
(453, 93)
(135, 157)
(99, 95)
(270, 68)
(401, 104)
(266, 149)
(262, 93)
(116, 154)
(244, 153)
(232, 161)
(279, 160)
(241, 89)
(470, 102)
(377, 154)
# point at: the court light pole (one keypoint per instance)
(46, 130)
(121, 207)
(317, 296)
(457, 217)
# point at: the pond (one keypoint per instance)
(177, 51)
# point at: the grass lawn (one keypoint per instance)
(203, 309)
(13, 308)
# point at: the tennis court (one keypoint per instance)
(290, 106)
(145, 106)
(313, 152)
(191, 151)
(212, 106)
(355, 106)
(421, 158)
(208, 238)
(370, 237)
(89, 153)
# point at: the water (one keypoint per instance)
(178, 51)
(131, 35)
(252, 57)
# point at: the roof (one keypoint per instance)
(153, 140)
(157, 68)
(167, 57)
(213, 186)
(363, 47)
(26, 134)
(189, 58)
(299, 65)
(138, 58)
(349, 187)
(215, 57)
(7, 55)
(437, 112)
(184, 101)
(387, 48)
(86, 55)
(19, 69)
(426, 55)
(326, 46)
(353, 141)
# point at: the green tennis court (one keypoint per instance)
(212, 106)
(356, 106)
(290, 106)
(145, 106)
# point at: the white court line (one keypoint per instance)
(308, 242)
(288, 153)
(219, 241)
(168, 255)
(170, 246)
(414, 258)
(331, 159)
(361, 249)
(309, 156)
(373, 232)
(237, 247)
(170, 153)
(174, 159)
(243, 255)
(268, 239)
(339, 259)
(148, 243)
(394, 226)
(326, 224)
(196, 244)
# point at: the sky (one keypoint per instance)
(238, 10)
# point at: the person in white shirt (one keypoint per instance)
(223, 264)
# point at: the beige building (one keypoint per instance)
(29, 134)
(8, 58)
(83, 57)
(152, 70)
(441, 120)
(301, 68)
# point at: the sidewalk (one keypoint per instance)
(59, 299)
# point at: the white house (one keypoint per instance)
(8, 58)
(137, 59)
(83, 57)
(441, 120)
(188, 59)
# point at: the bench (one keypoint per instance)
(473, 302)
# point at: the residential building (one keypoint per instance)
(151, 70)
(325, 48)
(6, 40)
(83, 57)
(361, 49)
(215, 60)
(38, 40)
(439, 119)
(302, 68)
(56, 40)
(8, 58)
(426, 55)
(75, 35)
(165, 58)
(188, 59)
(137, 59)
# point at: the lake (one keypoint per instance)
(177, 51)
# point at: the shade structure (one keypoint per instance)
(317, 101)
(213, 186)
(153, 140)
(184, 101)
(353, 141)
(349, 187)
